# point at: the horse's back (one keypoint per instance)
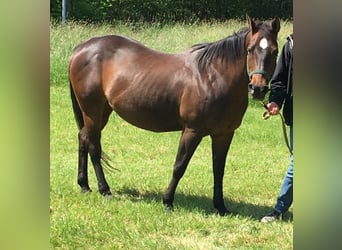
(102, 49)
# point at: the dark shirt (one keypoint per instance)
(281, 84)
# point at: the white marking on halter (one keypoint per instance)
(263, 43)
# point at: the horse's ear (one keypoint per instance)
(275, 23)
(251, 24)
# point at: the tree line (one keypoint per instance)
(166, 11)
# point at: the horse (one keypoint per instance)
(201, 91)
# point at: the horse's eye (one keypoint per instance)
(273, 51)
(249, 50)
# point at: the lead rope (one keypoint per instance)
(267, 115)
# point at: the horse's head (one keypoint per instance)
(262, 50)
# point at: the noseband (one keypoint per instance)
(256, 71)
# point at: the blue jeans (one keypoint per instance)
(285, 197)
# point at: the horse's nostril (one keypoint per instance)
(258, 89)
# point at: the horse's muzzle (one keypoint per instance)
(258, 92)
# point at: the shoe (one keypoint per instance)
(273, 216)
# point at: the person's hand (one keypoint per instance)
(273, 108)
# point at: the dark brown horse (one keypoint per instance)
(201, 91)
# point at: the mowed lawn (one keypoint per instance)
(135, 218)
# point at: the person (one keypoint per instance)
(281, 95)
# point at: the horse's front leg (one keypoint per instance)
(220, 147)
(189, 141)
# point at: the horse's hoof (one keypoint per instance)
(85, 190)
(108, 196)
(168, 208)
(223, 212)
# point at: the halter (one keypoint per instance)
(256, 71)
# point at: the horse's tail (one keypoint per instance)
(76, 108)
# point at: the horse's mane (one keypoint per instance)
(229, 48)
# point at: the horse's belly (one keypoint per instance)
(158, 120)
(147, 105)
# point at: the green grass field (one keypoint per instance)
(135, 218)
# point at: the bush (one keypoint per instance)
(166, 11)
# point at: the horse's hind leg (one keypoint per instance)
(93, 124)
(82, 178)
(187, 146)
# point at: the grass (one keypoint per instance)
(134, 218)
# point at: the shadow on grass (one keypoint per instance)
(200, 203)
